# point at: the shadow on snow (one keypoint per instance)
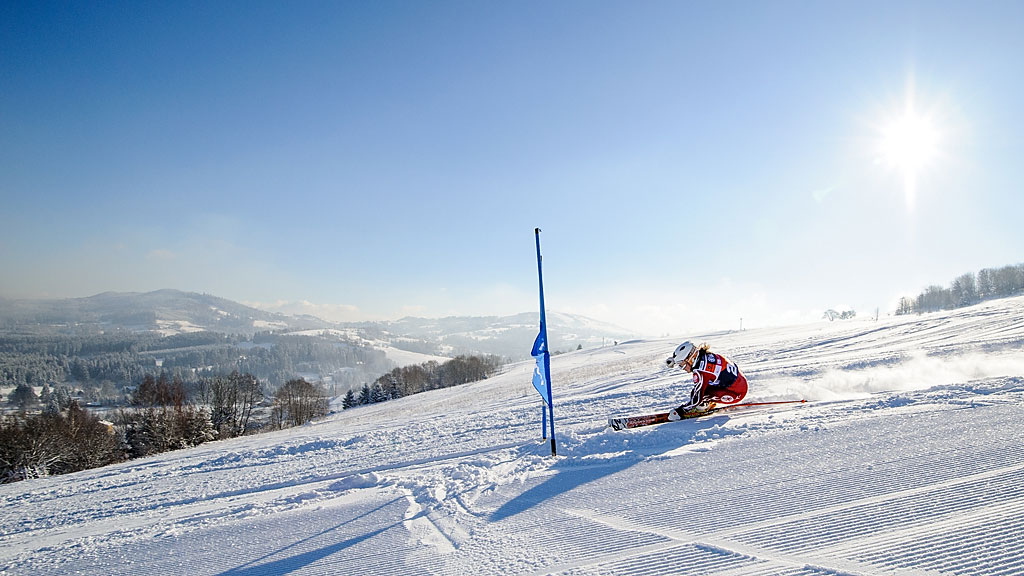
(303, 559)
(628, 448)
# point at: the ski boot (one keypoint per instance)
(682, 413)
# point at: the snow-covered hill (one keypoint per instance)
(908, 460)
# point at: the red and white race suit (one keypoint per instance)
(715, 379)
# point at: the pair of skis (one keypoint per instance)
(662, 417)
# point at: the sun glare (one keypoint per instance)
(909, 144)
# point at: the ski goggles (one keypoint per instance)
(685, 364)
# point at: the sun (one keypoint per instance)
(910, 143)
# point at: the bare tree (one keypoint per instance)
(933, 298)
(986, 283)
(250, 394)
(964, 290)
(55, 443)
(1009, 280)
(232, 400)
(906, 306)
(160, 391)
(298, 402)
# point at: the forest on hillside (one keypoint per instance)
(104, 368)
(966, 290)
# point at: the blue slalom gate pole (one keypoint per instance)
(543, 356)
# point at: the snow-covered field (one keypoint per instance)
(908, 460)
(405, 358)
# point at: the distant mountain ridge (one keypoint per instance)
(505, 335)
(166, 311)
(173, 311)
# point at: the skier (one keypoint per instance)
(716, 380)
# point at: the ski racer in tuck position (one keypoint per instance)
(716, 380)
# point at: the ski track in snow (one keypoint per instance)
(908, 460)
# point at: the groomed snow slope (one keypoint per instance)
(908, 460)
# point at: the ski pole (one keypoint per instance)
(726, 406)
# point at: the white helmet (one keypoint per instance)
(683, 352)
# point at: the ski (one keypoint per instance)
(646, 420)
(662, 417)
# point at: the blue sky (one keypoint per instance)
(690, 163)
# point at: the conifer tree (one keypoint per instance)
(349, 401)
